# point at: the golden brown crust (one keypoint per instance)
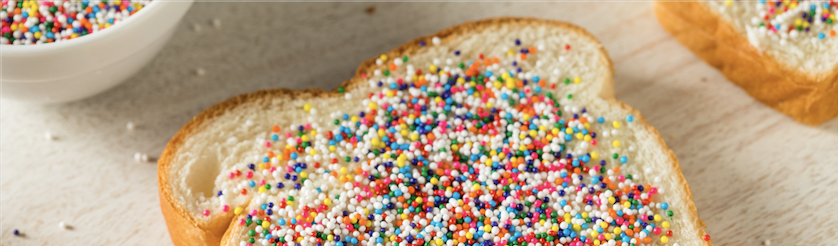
(186, 230)
(807, 97)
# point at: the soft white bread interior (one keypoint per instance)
(225, 139)
(765, 48)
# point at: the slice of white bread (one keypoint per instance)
(794, 72)
(200, 160)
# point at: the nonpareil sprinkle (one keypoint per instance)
(26, 22)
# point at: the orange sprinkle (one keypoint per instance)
(532, 50)
(275, 128)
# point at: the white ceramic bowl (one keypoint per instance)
(85, 66)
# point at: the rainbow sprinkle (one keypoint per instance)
(38, 22)
(474, 155)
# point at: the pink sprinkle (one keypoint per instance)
(268, 144)
(206, 212)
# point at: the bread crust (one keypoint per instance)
(807, 97)
(186, 230)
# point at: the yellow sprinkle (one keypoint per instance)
(266, 224)
(616, 143)
(373, 105)
(657, 217)
(665, 224)
(307, 107)
(594, 155)
(327, 202)
(616, 124)
(238, 210)
(383, 57)
(664, 239)
(304, 174)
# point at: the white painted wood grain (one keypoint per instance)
(755, 174)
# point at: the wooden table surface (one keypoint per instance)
(755, 174)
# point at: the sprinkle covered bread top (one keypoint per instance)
(802, 31)
(470, 149)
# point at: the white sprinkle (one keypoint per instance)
(767, 242)
(129, 125)
(216, 23)
(248, 123)
(144, 158)
(348, 96)
(138, 156)
(200, 72)
(435, 40)
(49, 136)
(62, 225)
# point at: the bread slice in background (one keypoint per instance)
(797, 78)
(227, 136)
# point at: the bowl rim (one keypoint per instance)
(145, 12)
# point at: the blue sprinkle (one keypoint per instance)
(665, 206)
(624, 159)
(629, 118)
(600, 120)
